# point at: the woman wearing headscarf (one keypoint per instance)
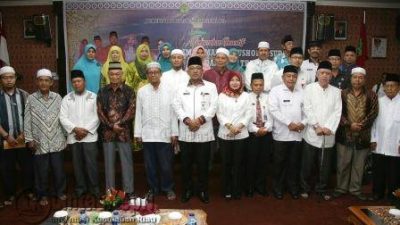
(90, 68)
(143, 57)
(201, 52)
(164, 59)
(234, 62)
(233, 115)
(128, 73)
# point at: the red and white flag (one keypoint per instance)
(4, 58)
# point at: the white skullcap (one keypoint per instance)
(358, 70)
(44, 73)
(153, 65)
(223, 51)
(263, 44)
(177, 52)
(6, 69)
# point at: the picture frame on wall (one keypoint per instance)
(29, 29)
(340, 30)
(379, 47)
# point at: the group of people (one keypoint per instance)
(292, 110)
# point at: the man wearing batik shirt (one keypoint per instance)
(349, 60)
(156, 126)
(282, 59)
(323, 108)
(261, 65)
(385, 141)
(45, 136)
(195, 105)
(116, 109)
(219, 74)
(360, 108)
(310, 65)
(339, 80)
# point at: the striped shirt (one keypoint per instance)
(42, 125)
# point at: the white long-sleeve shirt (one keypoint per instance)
(233, 111)
(266, 117)
(286, 106)
(322, 107)
(386, 129)
(174, 79)
(192, 102)
(155, 119)
(310, 68)
(267, 67)
(80, 111)
(303, 79)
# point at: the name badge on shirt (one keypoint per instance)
(286, 102)
(186, 93)
(309, 69)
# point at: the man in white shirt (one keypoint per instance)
(260, 140)
(261, 65)
(156, 127)
(285, 104)
(78, 116)
(310, 65)
(176, 76)
(296, 59)
(385, 141)
(323, 108)
(195, 105)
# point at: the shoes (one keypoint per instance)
(171, 195)
(130, 195)
(295, 195)
(9, 201)
(150, 195)
(262, 192)
(305, 195)
(43, 201)
(96, 195)
(375, 197)
(250, 193)
(237, 196)
(79, 195)
(278, 195)
(62, 197)
(228, 196)
(361, 197)
(337, 194)
(325, 196)
(204, 197)
(187, 195)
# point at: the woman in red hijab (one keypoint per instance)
(233, 115)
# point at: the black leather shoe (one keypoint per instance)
(278, 195)
(262, 192)
(187, 195)
(250, 193)
(295, 195)
(375, 197)
(204, 197)
(361, 197)
(337, 194)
